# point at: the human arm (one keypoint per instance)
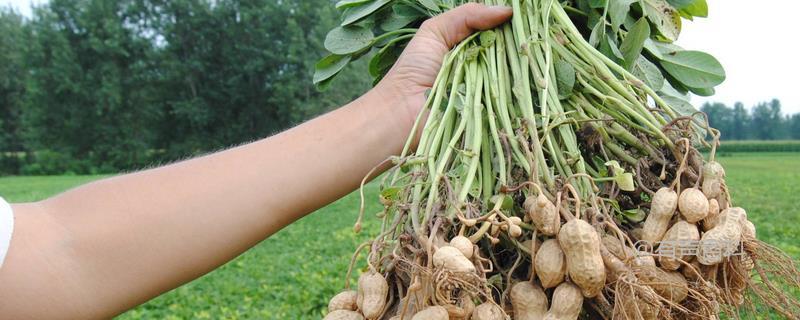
(102, 248)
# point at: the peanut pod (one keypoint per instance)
(581, 245)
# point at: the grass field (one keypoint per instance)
(291, 275)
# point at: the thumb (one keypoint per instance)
(454, 25)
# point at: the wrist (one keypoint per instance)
(401, 108)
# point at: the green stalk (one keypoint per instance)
(523, 91)
(620, 152)
(652, 127)
(550, 100)
(432, 103)
(596, 59)
(540, 64)
(495, 57)
(448, 133)
(437, 176)
(594, 56)
(477, 126)
(444, 158)
(487, 175)
(391, 33)
(500, 154)
(429, 151)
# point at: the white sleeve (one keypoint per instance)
(6, 228)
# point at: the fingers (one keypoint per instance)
(418, 66)
(453, 26)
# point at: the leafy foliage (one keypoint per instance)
(620, 29)
(12, 86)
(117, 85)
(86, 99)
(764, 121)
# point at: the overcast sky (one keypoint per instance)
(754, 40)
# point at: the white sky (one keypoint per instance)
(755, 41)
(22, 6)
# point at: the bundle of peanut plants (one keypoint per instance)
(557, 173)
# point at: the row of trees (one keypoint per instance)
(102, 85)
(764, 121)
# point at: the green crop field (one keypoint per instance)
(291, 275)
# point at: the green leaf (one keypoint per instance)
(593, 16)
(669, 90)
(384, 59)
(356, 13)
(634, 215)
(668, 48)
(328, 67)
(598, 164)
(703, 92)
(680, 87)
(678, 101)
(625, 181)
(407, 10)
(343, 4)
(694, 69)
(685, 15)
(622, 178)
(613, 46)
(375, 66)
(651, 47)
(665, 18)
(357, 55)
(682, 107)
(565, 78)
(609, 48)
(648, 73)
(348, 39)
(400, 16)
(325, 84)
(679, 4)
(659, 50)
(698, 8)
(634, 42)
(508, 202)
(597, 34)
(597, 4)
(618, 11)
(680, 104)
(583, 5)
(614, 165)
(615, 205)
(430, 5)
(395, 21)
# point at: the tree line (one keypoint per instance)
(764, 121)
(101, 86)
(97, 86)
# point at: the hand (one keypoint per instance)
(116, 243)
(417, 68)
